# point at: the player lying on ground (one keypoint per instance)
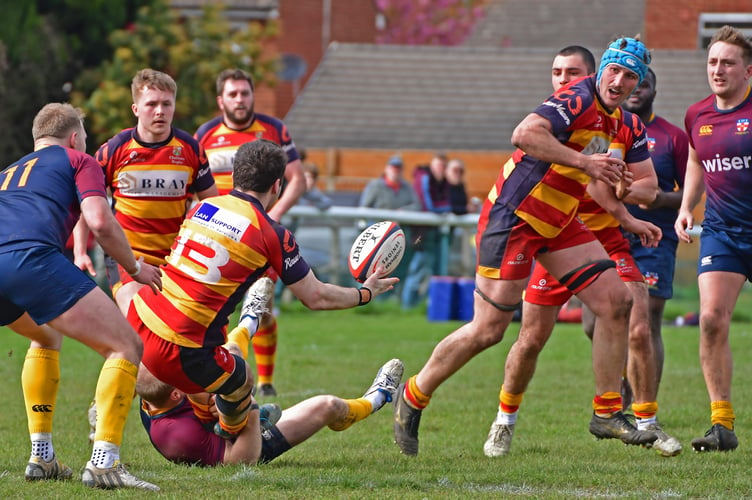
(181, 437)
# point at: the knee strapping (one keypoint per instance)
(500, 307)
(580, 278)
(233, 407)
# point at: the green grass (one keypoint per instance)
(553, 455)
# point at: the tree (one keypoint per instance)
(44, 44)
(428, 22)
(27, 44)
(193, 51)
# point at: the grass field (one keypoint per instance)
(553, 455)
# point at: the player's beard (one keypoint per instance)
(240, 118)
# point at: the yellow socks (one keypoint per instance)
(357, 410)
(721, 412)
(241, 337)
(40, 379)
(114, 394)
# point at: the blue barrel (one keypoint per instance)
(441, 298)
(464, 299)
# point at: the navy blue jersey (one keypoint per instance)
(40, 196)
(722, 140)
(668, 146)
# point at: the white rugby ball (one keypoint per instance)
(382, 243)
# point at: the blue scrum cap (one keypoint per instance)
(628, 53)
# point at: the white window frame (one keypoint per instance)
(709, 22)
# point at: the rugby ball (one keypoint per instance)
(382, 243)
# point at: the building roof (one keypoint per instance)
(557, 23)
(449, 98)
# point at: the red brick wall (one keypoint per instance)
(301, 34)
(672, 24)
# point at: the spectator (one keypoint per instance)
(455, 174)
(313, 195)
(432, 189)
(391, 191)
(461, 205)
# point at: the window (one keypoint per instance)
(709, 23)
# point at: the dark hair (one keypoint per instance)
(579, 50)
(258, 165)
(232, 74)
(655, 78)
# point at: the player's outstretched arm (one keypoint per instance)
(317, 295)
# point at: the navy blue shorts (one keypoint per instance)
(724, 251)
(40, 281)
(273, 444)
(657, 265)
(9, 312)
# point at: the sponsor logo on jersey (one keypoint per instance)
(225, 222)
(541, 285)
(638, 144)
(719, 163)
(177, 157)
(651, 278)
(651, 144)
(221, 161)
(706, 130)
(559, 109)
(742, 125)
(144, 183)
(291, 261)
(616, 150)
(518, 259)
(597, 144)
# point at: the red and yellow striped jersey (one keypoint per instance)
(220, 143)
(630, 145)
(224, 245)
(151, 185)
(547, 195)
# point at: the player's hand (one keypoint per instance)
(379, 285)
(603, 167)
(84, 263)
(684, 222)
(149, 275)
(650, 234)
(622, 188)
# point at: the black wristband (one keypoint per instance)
(362, 302)
(254, 406)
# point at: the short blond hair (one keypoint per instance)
(57, 119)
(152, 390)
(149, 78)
(729, 34)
